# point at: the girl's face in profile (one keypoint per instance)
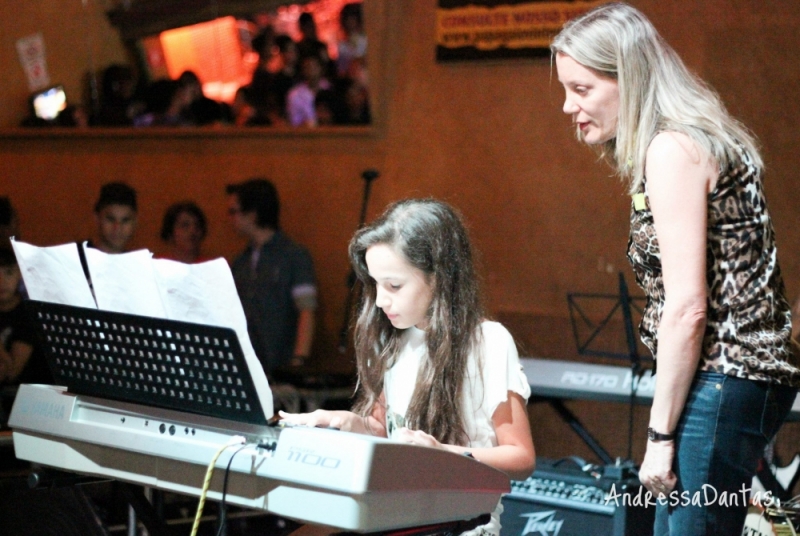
(404, 292)
(592, 100)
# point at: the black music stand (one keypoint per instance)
(169, 364)
(368, 175)
(580, 317)
(622, 302)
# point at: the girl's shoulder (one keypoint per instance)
(495, 332)
(498, 349)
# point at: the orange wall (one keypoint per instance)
(489, 137)
(77, 39)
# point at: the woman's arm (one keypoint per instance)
(514, 453)
(680, 176)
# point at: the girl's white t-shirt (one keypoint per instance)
(492, 372)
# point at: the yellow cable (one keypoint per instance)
(236, 440)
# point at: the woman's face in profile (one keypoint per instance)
(591, 99)
(187, 233)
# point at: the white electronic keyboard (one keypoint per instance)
(349, 481)
(151, 401)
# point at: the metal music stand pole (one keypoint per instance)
(368, 175)
(624, 302)
(633, 355)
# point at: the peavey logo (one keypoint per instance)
(542, 523)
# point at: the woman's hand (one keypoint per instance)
(656, 472)
(417, 437)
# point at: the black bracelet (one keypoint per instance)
(652, 435)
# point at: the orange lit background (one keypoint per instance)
(219, 51)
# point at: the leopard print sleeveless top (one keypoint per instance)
(748, 328)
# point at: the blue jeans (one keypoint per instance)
(721, 435)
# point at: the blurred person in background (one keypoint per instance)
(116, 217)
(118, 102)
(274, 278)
(165, 101)
(19, 363)
(198, 109)
(184, 228)
(300, 102)
(310, 44)
(352, 47)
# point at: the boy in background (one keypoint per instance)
(115, 212)
(20, 362)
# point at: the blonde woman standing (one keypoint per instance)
(702, 248)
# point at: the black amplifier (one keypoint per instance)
(565, 498)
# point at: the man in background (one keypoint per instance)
(274, 278)
(115, 212)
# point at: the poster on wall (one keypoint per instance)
(497, 29)
(31, 53)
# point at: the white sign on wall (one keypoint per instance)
(32, 58)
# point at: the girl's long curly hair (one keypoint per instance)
(431, 236)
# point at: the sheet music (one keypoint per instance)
(125, 282)
(54, 274)
(201, 293)
(205, 293)
(135, 283)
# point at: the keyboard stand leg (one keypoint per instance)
(133, 525)
(134, 496)
(568, 417)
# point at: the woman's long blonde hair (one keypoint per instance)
(656, 91)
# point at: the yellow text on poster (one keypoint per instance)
(527, 25)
